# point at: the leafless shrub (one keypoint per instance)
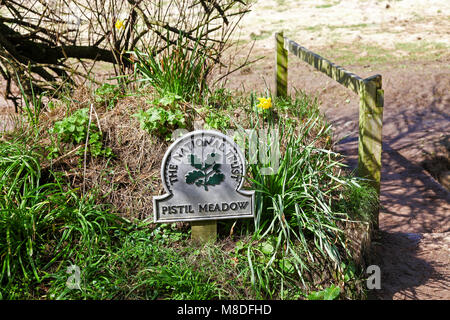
(57, 42)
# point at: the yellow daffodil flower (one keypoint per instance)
(265, 103)
(119, 24)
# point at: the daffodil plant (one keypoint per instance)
(265, 107)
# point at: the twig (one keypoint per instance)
(98, 121)
(85, 149)
(62, 157)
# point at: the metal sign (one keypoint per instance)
(202, 173)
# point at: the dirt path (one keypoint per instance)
(413, 249)
(413, 245)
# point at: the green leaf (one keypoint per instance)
(79, 138)
(267, 248)
(286, 266)
(166, 100)
(156, 116)
(330, 293)
(194, 175)
(239, 246)
(215, 179)
(317, 295)
(72, 119)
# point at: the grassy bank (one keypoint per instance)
(77, 181)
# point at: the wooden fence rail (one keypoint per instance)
(370, 107)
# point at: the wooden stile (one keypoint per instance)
(281, 66)
(370, 108)
(370, 132)
(344, 77)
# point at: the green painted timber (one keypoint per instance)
(371, 104)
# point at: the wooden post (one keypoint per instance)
(370, 132)
(204, 231)
(281, 66)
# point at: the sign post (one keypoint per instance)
(202, 173)
(204, 231)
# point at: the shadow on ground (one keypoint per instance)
(404, 272)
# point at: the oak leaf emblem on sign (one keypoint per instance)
(207, 173)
